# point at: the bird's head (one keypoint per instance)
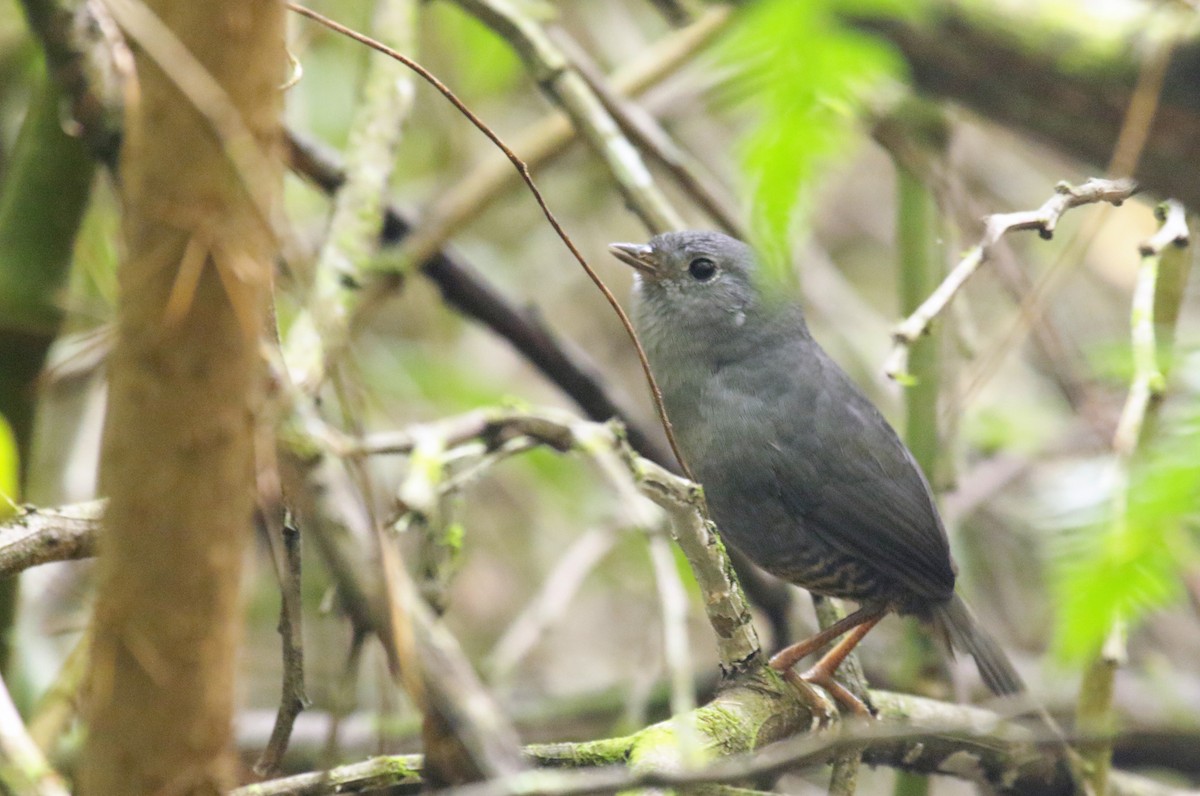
(693, 280)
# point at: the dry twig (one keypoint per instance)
(284, 538)
(523, 168)
(39, 536)
(1044, 220)
(492, 174)
(493, 435)
(558, 77)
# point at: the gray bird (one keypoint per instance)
(801, 472)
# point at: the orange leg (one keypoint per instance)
(790, 656)
(823, 670)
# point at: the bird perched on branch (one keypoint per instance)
(801, 472)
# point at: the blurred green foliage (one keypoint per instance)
(1017, 425)
(801, 97)
(807, 76)
(8, 469)
(484, 64)
(1132, 562)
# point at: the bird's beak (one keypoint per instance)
(638, 255)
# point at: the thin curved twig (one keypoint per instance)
(523, 169)
(559, 78)
(645, 131)
(491, 175)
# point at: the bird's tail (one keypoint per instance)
(965, 635)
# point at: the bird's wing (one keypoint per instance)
(869, 499)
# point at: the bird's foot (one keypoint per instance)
(820, 704)
(823, 670)
(819, 675)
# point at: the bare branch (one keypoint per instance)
(728, 613)
(1044, 220)
(284, 537)
(645, 131)
(564, 84)
(39, 536)
(1146, 390)
(319, 334)
(913, 734)
(393, 771)
(501, 432)
(523, 169)
(490, 177)
(1172, 232)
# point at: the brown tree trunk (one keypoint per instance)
(177, 463)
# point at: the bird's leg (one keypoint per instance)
(790, 656)
(823, 670)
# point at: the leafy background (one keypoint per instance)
(779, 112)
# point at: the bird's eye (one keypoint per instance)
(702, 269)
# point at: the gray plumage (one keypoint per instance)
(801, 471)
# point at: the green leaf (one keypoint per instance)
(1126, 567)
(806, 74)
(485, 62)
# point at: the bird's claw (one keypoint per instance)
(817, 676)
(819, 703)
